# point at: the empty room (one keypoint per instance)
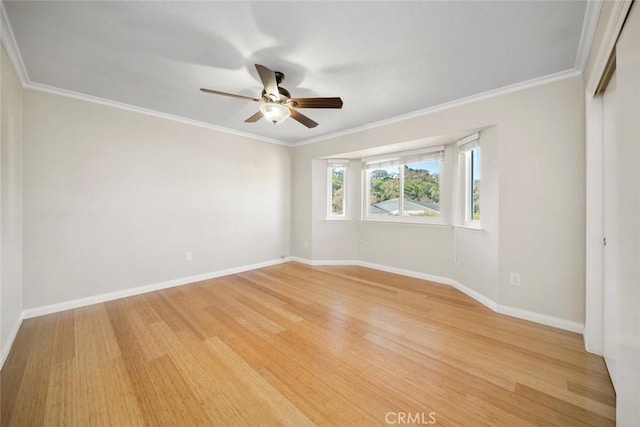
(329, 213)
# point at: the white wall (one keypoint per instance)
(419, 248)
(10, 205)
(542, 199)
(334, 239)
(113, 199)
(536, 229)
(301, 203)
(476, 253)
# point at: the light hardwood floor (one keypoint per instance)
(296, 345)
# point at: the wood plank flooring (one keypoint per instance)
(300, 346)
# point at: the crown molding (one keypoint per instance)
(588, 31)
(589, 26)
(516, 87)
(128, 107)
(11, 47)
(609, 39)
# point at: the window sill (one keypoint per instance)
(405, 222)
(470, 227)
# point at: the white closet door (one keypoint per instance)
(626, 351)
(610, 209)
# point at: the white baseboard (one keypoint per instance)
(544, 319)
(10, 339)
(322, 262)
(96, 299)
(519, 313)
(433, 278)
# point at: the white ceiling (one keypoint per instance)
(383, 58)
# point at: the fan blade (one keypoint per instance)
(257, 116)
(299, 117)
(269, 81)
(216, 92)
(317, 102)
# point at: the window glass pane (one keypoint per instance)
(384, 191)
(422, 189)
(337, 191)
(475, 184)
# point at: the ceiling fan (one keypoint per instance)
(276, 103)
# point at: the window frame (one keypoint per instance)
(401, 160)
(331, 165)
(466, 148)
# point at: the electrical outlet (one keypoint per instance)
(188, 256)
(514, 279)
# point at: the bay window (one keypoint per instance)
(404, 186)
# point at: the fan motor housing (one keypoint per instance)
(284, 92)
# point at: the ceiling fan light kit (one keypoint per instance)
(274, 112)
(276, 103)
